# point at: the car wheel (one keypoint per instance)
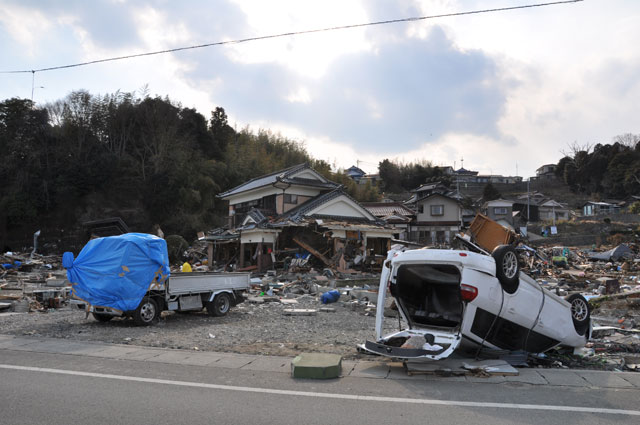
(580, 312)
(507, 267)
(147, 312)
(101, 317)
(220, 305)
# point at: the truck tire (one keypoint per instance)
(147, 312)
(507, 267)
(580, 312)
(101, 317)
(220, 305)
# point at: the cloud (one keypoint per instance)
(405, 93)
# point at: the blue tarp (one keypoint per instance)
(117, 271)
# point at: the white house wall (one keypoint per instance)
(258, 236)
(308, 174)
(260, 193)
(451, 210)
(341, 206)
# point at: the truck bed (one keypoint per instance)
(198, 282)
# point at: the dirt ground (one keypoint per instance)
(247, 328)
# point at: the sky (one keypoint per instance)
(499, 93)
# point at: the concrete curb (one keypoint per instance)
(350, 369)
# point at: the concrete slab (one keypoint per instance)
(115, 352)
(289, 301)
(442, 378)
(201, 359)
(254, 300)
(21, 344)
(12, 343)
(232, 361)
(632, 377)
(605, 379)
(140, 354)
(58, 347)
(316, 366)
(559, 377)
(397, 371)
(377, 370)
(486, 380)
(492, 367)
(299, 312)
(459, 366)
(527, 376)
(172, 357)
(348, 366)
(270, 364)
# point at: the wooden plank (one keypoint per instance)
(315, 253)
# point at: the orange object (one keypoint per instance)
(488, 234)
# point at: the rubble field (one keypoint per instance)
(284, 314)
(248, 328)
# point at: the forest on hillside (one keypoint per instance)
(88, 157)
(604, 170)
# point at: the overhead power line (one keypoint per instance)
(288, 34)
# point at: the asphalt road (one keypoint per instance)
(41, 388)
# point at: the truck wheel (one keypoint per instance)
(220, 305)
(101, 317)
(147, 312)
(580, 312)
(507, 267)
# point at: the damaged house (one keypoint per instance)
(284, 218)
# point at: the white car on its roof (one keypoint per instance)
(449, 297)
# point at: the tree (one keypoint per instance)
(489, 193)
(390, 176)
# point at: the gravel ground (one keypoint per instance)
(247, 328)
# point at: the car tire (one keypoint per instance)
(580, 312)
(101, 317)
(147, 312)
(507, 267)
(220, 305)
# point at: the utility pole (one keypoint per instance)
(528, 213)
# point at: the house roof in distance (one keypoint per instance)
(384, 209)
(288, 176)
(353, 170)
(313, 206)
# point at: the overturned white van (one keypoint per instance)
(448, 297)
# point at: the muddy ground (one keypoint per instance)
(247, 328)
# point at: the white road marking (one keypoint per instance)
(547, 407)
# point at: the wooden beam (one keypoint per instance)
(315, 253)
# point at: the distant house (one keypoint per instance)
(276, 193)
(499, 210)
(438, 218)
(395, 214)
(547, 171)
(536, 206)
(462, 175)
(355, 173)
(552, 210)
(427, 189)
(592, 208)
(298, 207)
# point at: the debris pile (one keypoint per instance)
(31, 282)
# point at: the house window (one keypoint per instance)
(437, 209)
(500, 211)
(420, 209)
(290, 199)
